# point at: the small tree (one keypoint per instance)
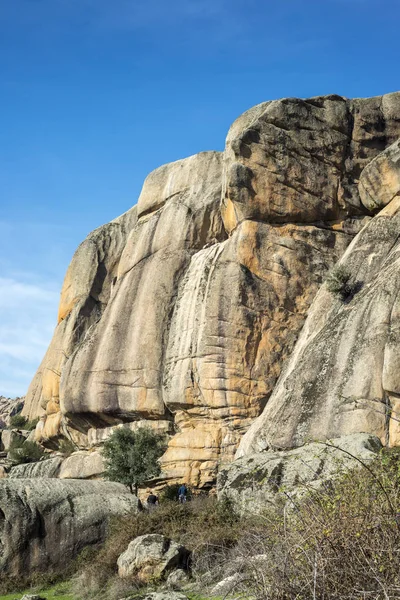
(337, 282)
(132, 456)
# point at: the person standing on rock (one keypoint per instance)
(182, 493)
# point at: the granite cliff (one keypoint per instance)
(182, 312)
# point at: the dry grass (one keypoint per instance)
(340, 542)
(206, 527)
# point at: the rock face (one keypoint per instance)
(253, 482)
(48, 468)
(8, 408)
(45, 523)
(185, 313)
(86, 291)
(152, 557)
(82, 465)
(343, 376)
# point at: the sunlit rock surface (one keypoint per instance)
(185, 313)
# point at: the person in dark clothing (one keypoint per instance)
(182, 493)
(152, 500)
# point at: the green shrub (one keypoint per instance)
(18, 422)
(337, 282)
(131, 457)
(31, 425)
(66, 447)
(23, 451)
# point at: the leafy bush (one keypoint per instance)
(23, 451)
(66, 447)
(31, 425)
(337, 282)
(18, 422)
(131, 457)
(340, 541)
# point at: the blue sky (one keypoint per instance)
(97, 93)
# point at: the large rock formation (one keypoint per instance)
(8, 408)
(343, 376)
(257, 481)
(187, 315)
(44, 523)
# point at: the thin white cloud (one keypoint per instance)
(27, 320)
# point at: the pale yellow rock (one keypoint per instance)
(117, 371)
(82, 465)
(86, 290)
(297, 160)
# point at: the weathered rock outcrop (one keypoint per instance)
(211, 287)
(253, 482)
(8, 408)
(343, 376)
(44, 523)
(48, 468)
(86, 291)
(151, 557)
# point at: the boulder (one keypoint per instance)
(10, 436)
(45, 523)
(177, 579)
(228, 585)
(152, 557)
(380, 180)
(82, 465)
(9, 407)
(257, 480)
(165, 595)
(48, 468)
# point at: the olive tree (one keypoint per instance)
(131, 457)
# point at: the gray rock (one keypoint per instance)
(32, 597)
(10, 436)
(380, 180)
(255, 481)
(44, 523)
(177, 579)
(152, 556)
(8, 408)
(227, 586)
(165, 596)
(49, 468)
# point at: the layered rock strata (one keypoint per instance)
(199, 302)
